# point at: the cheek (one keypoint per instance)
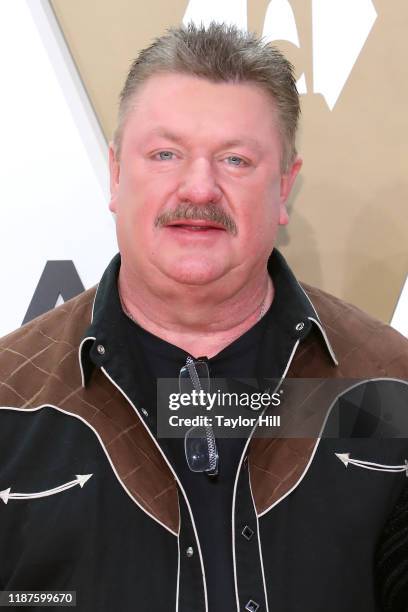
(256, 234)
(145, 195)
(133, 200)
(135, 218)
(259, 222)
(260, 217)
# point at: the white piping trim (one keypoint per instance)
(175, 477)
(329, 346)
(289, 362)
(234, 559)
(259, 544)
(320, 326)
(80, 358)
(178, 563)
(361, 382)
(357, 384)
(94, 301)
(103, 446)
(87, 338)
(309, 300)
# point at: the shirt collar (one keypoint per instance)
(291, 305)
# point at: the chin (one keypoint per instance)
(194, 272)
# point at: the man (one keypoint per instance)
(95, 501)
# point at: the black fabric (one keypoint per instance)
(145, 357)
(392, 559)
(93, 539)
(210, 497)
(319, 542)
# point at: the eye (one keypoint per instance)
(164, 155)
(234, 160)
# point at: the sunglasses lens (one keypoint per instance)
(200, 449)
(199, 442)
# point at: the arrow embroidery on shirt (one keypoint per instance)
(80, 479)
(369, 465)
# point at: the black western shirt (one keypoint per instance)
(136, 359)
(68, 520)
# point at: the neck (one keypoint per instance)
(190, 317)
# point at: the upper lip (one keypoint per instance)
(196, 223)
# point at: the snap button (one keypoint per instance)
(247, 532)
(252, 606)
(190, 551)
(300, 326)
(144, 412)
(101, 349)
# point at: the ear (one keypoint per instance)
(286, 185)
(114, 173)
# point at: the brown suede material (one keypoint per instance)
(39, 366)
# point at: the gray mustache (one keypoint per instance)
(211, 212)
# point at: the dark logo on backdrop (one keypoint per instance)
(59, 279)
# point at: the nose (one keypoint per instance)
(198, 184)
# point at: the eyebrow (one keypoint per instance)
(166, 134)
(235, 142)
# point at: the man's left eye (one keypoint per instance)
(165, 155)
(234, 160)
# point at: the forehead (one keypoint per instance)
(197, 107)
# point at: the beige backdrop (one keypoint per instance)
(349, 227)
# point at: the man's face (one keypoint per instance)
(213, 150)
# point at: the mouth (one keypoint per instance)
(196, 226)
